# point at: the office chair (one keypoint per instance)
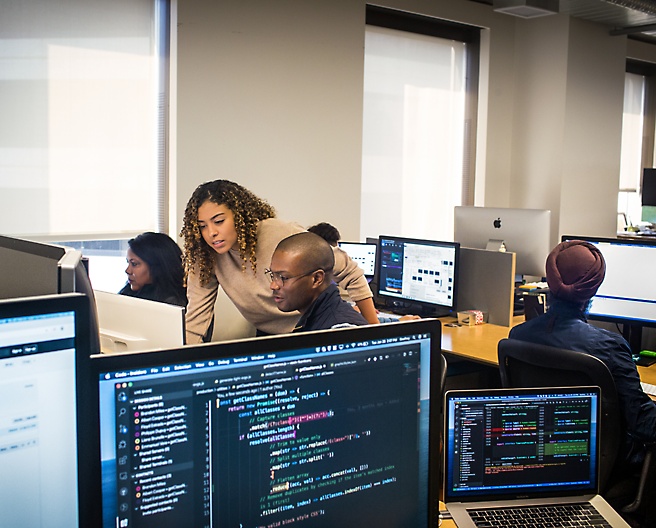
(524, 364)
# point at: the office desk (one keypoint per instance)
(479, 344)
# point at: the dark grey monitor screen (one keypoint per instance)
(318, 429)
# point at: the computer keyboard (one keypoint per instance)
(649, 388)
(569, 515)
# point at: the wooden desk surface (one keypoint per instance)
(479, 343)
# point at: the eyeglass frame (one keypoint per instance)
(280, 280)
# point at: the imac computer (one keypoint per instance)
(417, 276)
(627, 296)
(316, 429)
(131, 324)
(37, 268)
(525, 232)
(47, 432)
(364, 254)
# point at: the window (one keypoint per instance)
(637, 151)
(83, 109)
(84, 125)
(419, 99)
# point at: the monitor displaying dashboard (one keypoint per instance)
(628, 294)
(525, 232)
(418, 276)
(47, 432)
(316, 429)
(364, 254)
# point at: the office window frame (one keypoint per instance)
(443, 29)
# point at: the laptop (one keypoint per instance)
(509, 449)
(46, 431)
(315, 429)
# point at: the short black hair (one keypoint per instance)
(315, 252)
(326, 231)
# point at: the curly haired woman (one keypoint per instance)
(229, 237)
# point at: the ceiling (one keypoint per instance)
(635, 18)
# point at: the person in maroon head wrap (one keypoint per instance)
(575, 270)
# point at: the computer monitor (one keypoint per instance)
(627, 296)
(47, 434)
(418, 276)
(525, 232)
(132, 324)
(316, 429)
(648, 195)
(39, 268)
(364, 254)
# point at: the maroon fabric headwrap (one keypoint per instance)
(575, 270)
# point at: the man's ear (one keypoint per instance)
(318, 278)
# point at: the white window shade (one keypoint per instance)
(632, 132)
(413, 133)
(80, 129)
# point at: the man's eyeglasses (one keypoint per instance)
(280, 279)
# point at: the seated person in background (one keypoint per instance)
(301, 279)
(326, 231)
(575, 270)
(155, 269)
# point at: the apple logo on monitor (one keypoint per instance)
(497, 223)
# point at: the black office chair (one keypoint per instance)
(524, 364)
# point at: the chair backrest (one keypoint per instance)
(524, 364)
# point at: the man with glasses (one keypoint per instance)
(301, 276)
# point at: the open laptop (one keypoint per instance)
(509, 449)
(315, 429)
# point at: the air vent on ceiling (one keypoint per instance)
(526, 8)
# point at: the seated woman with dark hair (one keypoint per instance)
(155, 270)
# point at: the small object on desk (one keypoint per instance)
(646, 358)
(533, 286)
(472, 317)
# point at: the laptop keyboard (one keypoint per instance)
(570, 515)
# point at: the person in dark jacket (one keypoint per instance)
(155, 270)
(301, 279)
(575, 270)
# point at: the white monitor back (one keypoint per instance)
(129, 324)
(525, 232)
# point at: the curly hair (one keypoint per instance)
(247, 209)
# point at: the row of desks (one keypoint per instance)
(479, 344)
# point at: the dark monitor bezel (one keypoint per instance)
(407, 305)
(638, 241)
(256, 346)
(88, 443)
(539, 492)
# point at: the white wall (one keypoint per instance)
(270, 95)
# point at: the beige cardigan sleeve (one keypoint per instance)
(200, 308)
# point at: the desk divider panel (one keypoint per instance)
(487, 283)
